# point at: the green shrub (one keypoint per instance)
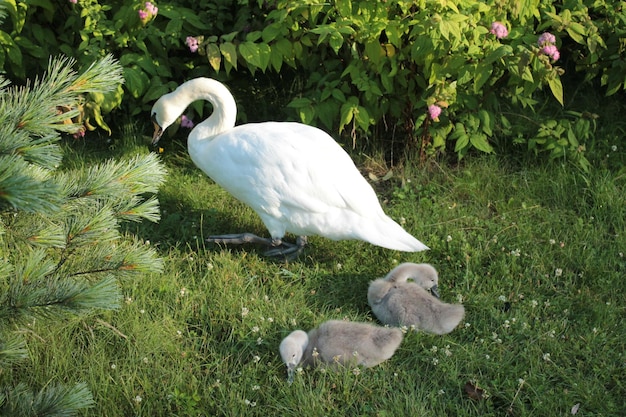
(368, 69)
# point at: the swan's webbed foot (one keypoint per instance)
(277, 246)
(286, 249)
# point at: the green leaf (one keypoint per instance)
(486, 121)
(214, 56)
(500, 52)
(347, 111)
(257, 55)
(481, 75)
(136, 81)
(557, 88)
(362, 117)
(479, 141)
(374, 51)
(229, 51)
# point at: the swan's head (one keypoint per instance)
(291, 350)
(163, 115)
(424, 275)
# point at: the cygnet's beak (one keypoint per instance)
(158, 132)
(435, 291)
(291, 371)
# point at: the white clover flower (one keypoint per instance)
(255, 329)
(468, 325)
(270, 320)
(315, 353)
(459, 298)
(138, 399)
(256, 388)
(299, 370)
(521, 381)
(441, 392)
(183, 291)
(516, 252)
(502, 298)
(594, 330)
(546, 357)
(552, 241)
(145, 360)
(614, 148)
(356, 371)
(113, 366)
(534, 303)
(558, 272)
(209, 266)
(507, 324)
(487, 357)
(256, 358)
(244, 311)
(402, 221)
(448, 238)
(259, 341)
(142, 311)
(434, 349)
(447, 351)
(179, 333)
(435, 361)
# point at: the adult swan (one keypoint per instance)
(294, 176)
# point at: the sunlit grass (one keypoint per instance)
(536, 254)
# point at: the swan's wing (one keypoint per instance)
(287, 165)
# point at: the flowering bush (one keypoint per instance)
(436, 75)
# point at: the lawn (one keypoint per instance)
(535, 252)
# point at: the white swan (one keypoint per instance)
(340, 342)
(398, 302)
(294, 176)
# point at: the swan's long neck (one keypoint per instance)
(224, 107)
(401, 273)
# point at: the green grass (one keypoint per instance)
(534, 253)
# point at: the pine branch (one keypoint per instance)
(57, 400)
(138, 175)
(12, 350)
(25, 188)
(55, 298)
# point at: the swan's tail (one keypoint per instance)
(391, 235)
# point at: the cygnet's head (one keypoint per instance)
(163, 116)
(424, 275)
(291, 350)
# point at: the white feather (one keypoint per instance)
(294, 176)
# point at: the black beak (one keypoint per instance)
(158, 132)
(435, 291)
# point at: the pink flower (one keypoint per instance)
(552, 51)
(434, 111)
(546, 38)
(151, 8)
(73, 1)
(186, 122)
(148, 12)
(499, 30)
(192, 43)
